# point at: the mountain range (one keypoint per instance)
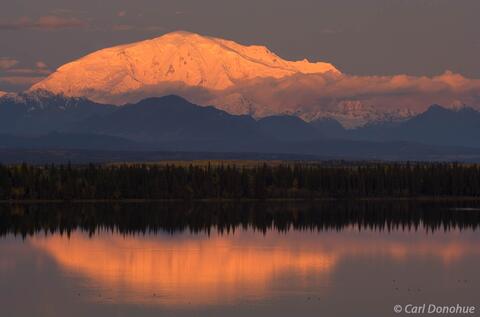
(250, 80)
(436, 126)
(43, 120)
(222, 96)
(43, 112)
(203, 69)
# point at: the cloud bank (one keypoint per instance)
(15, 75)
(313, 96)
(20, 80)
(48, 22)
(353, 100)
(6, 63)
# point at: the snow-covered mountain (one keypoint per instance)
(2, 93)
(355, 114)
(251, 80)
(205, 70)
(177, 58)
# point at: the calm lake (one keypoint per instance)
(277, 259)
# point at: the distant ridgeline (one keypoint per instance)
(39, 126)
(231, 182)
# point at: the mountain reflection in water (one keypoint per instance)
(223, 267)
(217, 259)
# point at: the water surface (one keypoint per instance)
(338, 259)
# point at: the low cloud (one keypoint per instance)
(41, 65)
(18, 78)
(353, 100)
(6, 63)
(315, 95)
(10, 66)
(29, 71)
(49, 22)
(21, 80)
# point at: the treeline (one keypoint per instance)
(299, 181)
(223, 217)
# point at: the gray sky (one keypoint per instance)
(362, 37)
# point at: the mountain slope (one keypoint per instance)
(178, 58)
(329, 128)
(175, 123)
(287, 128)
(436, 126)
(41, 112)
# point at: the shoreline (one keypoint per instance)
(241, 200)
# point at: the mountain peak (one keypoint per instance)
(177, 59)
(460, 108)
(437, 107)
(179, 38)
(183, 35)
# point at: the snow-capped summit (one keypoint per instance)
(249, 80)
(41, 99)
(178, 58)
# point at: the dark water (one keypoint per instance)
(281, 259)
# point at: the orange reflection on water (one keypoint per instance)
(447, 253)
(200, 270)
(196, 270)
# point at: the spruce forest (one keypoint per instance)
(231, 181)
